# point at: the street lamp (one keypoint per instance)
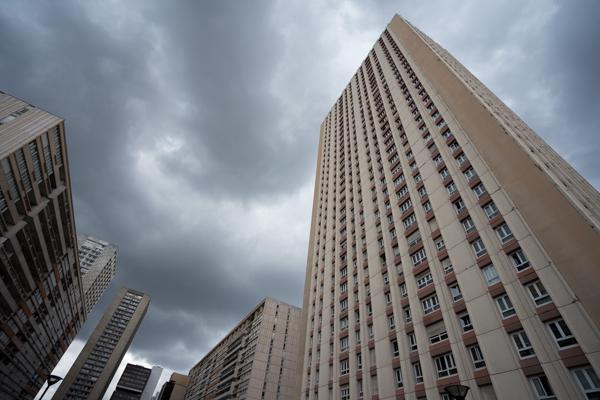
(52, 379)
(457, 392)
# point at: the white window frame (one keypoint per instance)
(418, 372)
(587, 380)
(490, 274)
(455, 292)
(505, 306)
(398, 377)
(504, 233)
(451, 188)
(418, 257)
(345, 366)
(407, 314)
(562, 334)
(412, 341)
(445, 365)
(345, 392)
(491, 210)
(430, 304)
(538, 293)
(522, 344)
(541, 387)
(479, 190)
(344, 343)
(468, 224)
(464, 326)
(403, 291)
(519, 260)
(424, 280)
(476, 356)
(478, 247)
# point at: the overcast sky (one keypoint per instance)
(192, 129)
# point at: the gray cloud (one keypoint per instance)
(193, 128)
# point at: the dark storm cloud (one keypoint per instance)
(192, 127)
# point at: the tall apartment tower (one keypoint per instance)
(449, 244)
(258, 359)
(41, 298)
(137, 383)
(99, 359)
(98, 263)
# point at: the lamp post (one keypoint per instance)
(457, 392)
(52, 379)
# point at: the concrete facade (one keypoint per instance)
(258, 359)
(98, 263)
(449, 243)
(174, 388)
(99, 359)
(41, 297)
(137, 383)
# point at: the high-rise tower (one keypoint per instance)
(41, 298)
(99, 359)
(98, 263)
(449, 244)
(257, 360)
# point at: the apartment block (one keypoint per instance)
(258, 359)
(94, 368)
(137, 383)
(449, 243)
(41, 297)
(98, 263)
(174, 388)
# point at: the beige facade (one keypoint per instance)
(94, 368)
(448, 243)
(98, 265)
(41, 297)
(258, 359)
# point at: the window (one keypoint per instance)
(459, 205)
(388, 298)
(343, 323)
(391, 322)
(370, 331)
(465, 321)
(445, 365)
(418, 373)
(398, 377)
(427, 207)
(455, 292)
(505, 306)
(344, 287)
(424, 280)
(490, 274)
(369, 309)
(407, 314)
(344, 343)
(476, 356)
(451, 188)
(470, 173)
(490, 210)
(422, 191)
(406, 205)
(461, 159)
(344, 367)
(345, 392)
(447, 265)
(444, 173)
(478, 247)
(358, 360)
(438, 337)
(504, 233)
(418, 257)
(395, 348)
(588, 381)
(538, 293)
(522, 344)
(468, 224)
(344, 304)
(439, 244)
(562, 334)
(403, 291)
(518, 259)
(541, 387)
(479, 190)
(386, 278)
(438, 159)
(414, 238)
(412, 341)
(430, 304)
(418, 178)
(408, 221)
